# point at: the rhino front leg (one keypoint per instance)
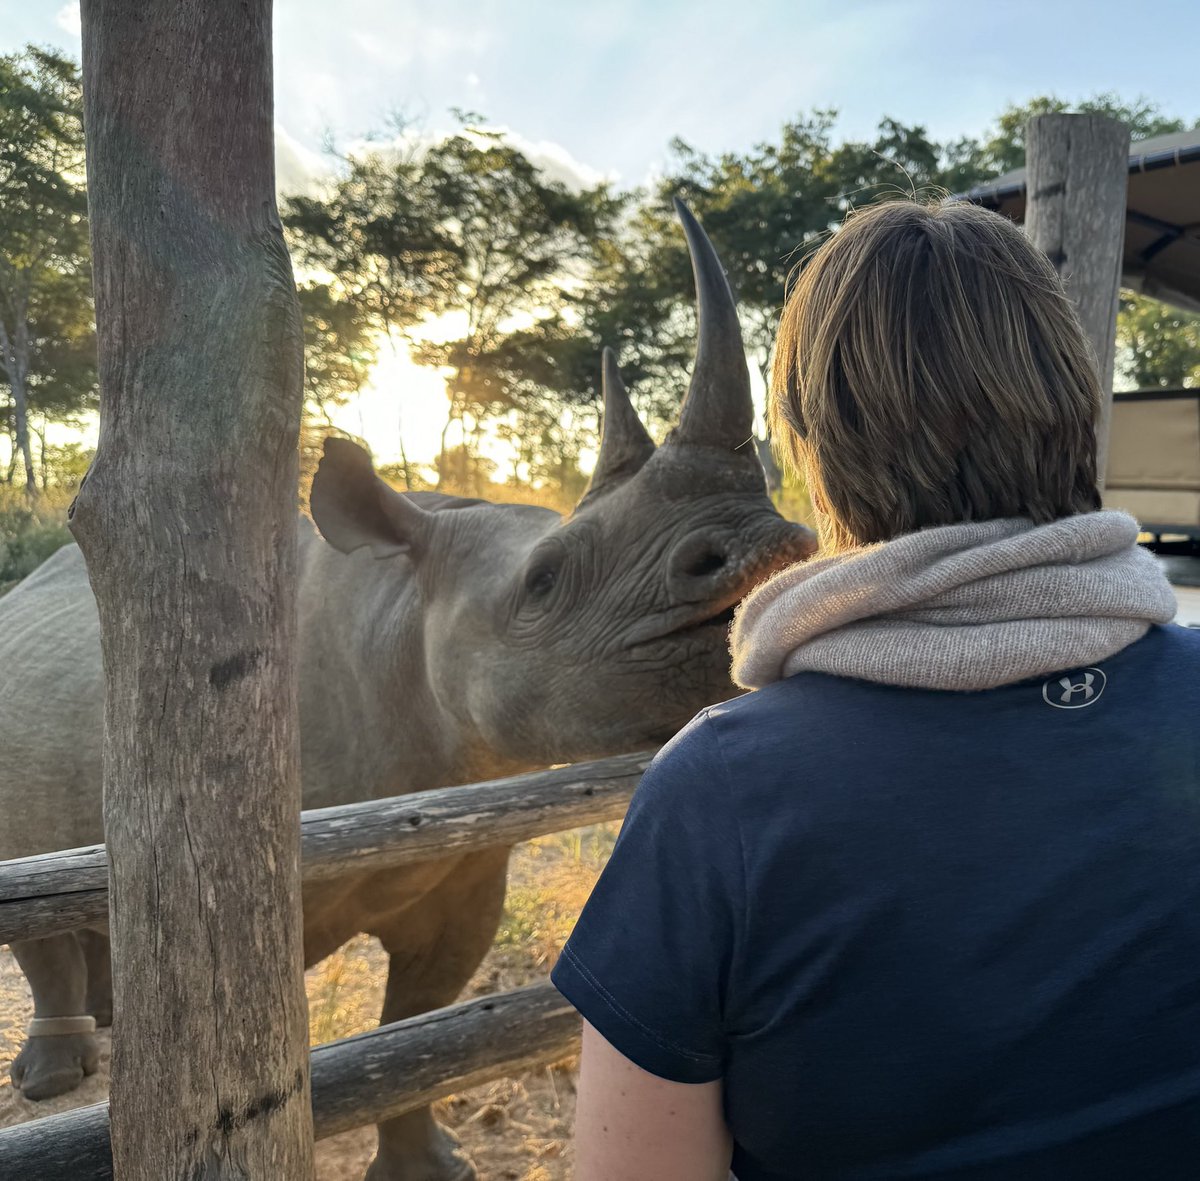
(99, 1000)
(434, 949)
(53, 1063)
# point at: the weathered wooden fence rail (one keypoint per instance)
(64, 891)
(386, 1071)
(357, 1081)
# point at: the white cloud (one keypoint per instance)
(68, 20)
(557, 163)
(299, 171)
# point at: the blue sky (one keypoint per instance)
(607, 83)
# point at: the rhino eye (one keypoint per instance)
(540, 581)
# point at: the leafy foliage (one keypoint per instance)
(1002, 147)
(1160, 344)
(468, 226)
(29, 533)
(339, 346)
(527, 278)
(47, 349)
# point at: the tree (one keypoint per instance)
(1158, 345)
(766, 209)
(1002, 148)
(379, 261)
(339, 347)
(46, 342)
(522, 243)
(379, 239)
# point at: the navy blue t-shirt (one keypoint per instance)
(922, 934)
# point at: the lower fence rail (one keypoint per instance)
(357, 1081)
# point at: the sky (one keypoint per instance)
(598, 89)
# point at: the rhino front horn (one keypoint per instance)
(718, 410)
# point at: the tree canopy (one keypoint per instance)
(508, 282)
(47, 346)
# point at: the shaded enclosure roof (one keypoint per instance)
(1162, 215)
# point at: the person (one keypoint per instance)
(926, 903)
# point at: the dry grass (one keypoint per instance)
(515, 1129)
(30, 531)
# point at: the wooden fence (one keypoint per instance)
(382, 1073)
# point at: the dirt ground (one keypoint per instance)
(515, 1129)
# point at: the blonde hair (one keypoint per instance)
(930, 369)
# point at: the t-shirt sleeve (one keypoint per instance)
(649, 961)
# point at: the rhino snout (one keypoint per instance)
(699, 564)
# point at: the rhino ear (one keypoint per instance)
(353, 507)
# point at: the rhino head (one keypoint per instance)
(556, 639)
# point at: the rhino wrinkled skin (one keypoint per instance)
(442, 641)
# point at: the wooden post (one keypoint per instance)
(1076, 177)
(188, 522)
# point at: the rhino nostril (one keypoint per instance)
(706, 563)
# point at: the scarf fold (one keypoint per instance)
(961, 607)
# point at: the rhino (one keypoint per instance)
(442, 640)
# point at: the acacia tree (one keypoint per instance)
(383, 264)
(522, 243)
(46, 341)
(470, 227)
(766, 208)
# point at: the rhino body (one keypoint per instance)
(441, 641)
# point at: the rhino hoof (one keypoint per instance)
(442, 1160)
(49, 1066)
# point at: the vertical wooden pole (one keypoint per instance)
(1076, 177)
(188, 524)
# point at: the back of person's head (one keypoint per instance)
(929, 370)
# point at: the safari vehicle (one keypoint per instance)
(1154, 474)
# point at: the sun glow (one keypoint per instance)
(400, 401)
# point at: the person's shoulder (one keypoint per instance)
(1176, 637)
(693, 749)
(1163, 667)
(810, 728)
(817, 698)
(1165, 646)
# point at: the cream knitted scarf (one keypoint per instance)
(963, 607)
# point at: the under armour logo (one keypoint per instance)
(1075, 690)
(1069, 690)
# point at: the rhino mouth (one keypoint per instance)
(714, 622)
(721, 619)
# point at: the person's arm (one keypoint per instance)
(632, 1126)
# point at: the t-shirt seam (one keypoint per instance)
(625, 1015)
(738, 935)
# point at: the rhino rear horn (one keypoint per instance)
(353, 507)
(625, 445)
(718, 410)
